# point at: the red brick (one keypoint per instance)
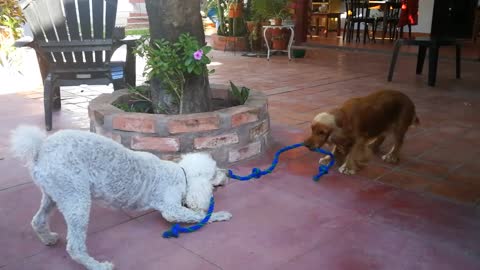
(115, 137)
(137, 122)
(193, 123)
(244, 115)
(259, 130)
(101, 131)
(244, 152)
(215, 141)
(155, 144)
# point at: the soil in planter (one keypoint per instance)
(136, 101)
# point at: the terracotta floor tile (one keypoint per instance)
(285, 219)
(129, 246)
(373, 171)
(406, 181)
(448, 157)
(438, 220)
(456, 191)
(425, 168)
(372, 246)
(13, 172)
(265, 221)
(19, 204)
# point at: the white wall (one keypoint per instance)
(425, 13)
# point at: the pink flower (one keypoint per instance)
(198, 54)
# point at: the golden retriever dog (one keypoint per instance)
(360, 126)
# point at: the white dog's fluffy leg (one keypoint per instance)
(76, 212)
(40, 221)
(220, 216)
(182, 214)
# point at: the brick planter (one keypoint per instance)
(230, 135)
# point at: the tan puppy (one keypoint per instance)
(360, 125)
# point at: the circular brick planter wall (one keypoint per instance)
(230, 135)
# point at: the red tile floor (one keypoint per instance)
(470, 50)
(421, 214)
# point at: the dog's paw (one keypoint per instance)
(390, 158)
(324, 160)
(49, 239)
(105, 266)
(220, 216)
(345, 170)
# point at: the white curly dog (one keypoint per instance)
(72, 167)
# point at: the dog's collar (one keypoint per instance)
(184, 173)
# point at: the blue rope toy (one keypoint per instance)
(256, 173)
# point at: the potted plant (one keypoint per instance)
(279, 42)
(235, 9)
(232, 31)
(11, 20)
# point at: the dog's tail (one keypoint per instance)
(25, 143)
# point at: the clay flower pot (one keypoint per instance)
(235, 10)
(279, 44)
(277, 21)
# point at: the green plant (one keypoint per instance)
(240, 94)
(141, 32)
(230, 27)
(11, 19)
(269, 9)
(174, 63)
(139, 100)
(254, 36)
(11, 16)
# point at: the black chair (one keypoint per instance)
(390, 20)
(73, 50)
(433, 45)
(358, 13)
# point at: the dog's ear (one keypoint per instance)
(199, 192)
(340, 118)
(220, 178)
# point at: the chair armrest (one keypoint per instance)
(130, 61)
(23, 42)
(130, 41)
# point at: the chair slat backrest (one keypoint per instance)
(393, 10)
(357, 9)
(73, 31)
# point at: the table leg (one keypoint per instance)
(458, 59)
(338, 25)
(266, 43)
(290, 42)
(393, 62)
(432, 64)
(326, 27)
(422, 52)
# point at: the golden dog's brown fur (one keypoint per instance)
(360, 125)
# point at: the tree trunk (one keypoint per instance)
(168, 19)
